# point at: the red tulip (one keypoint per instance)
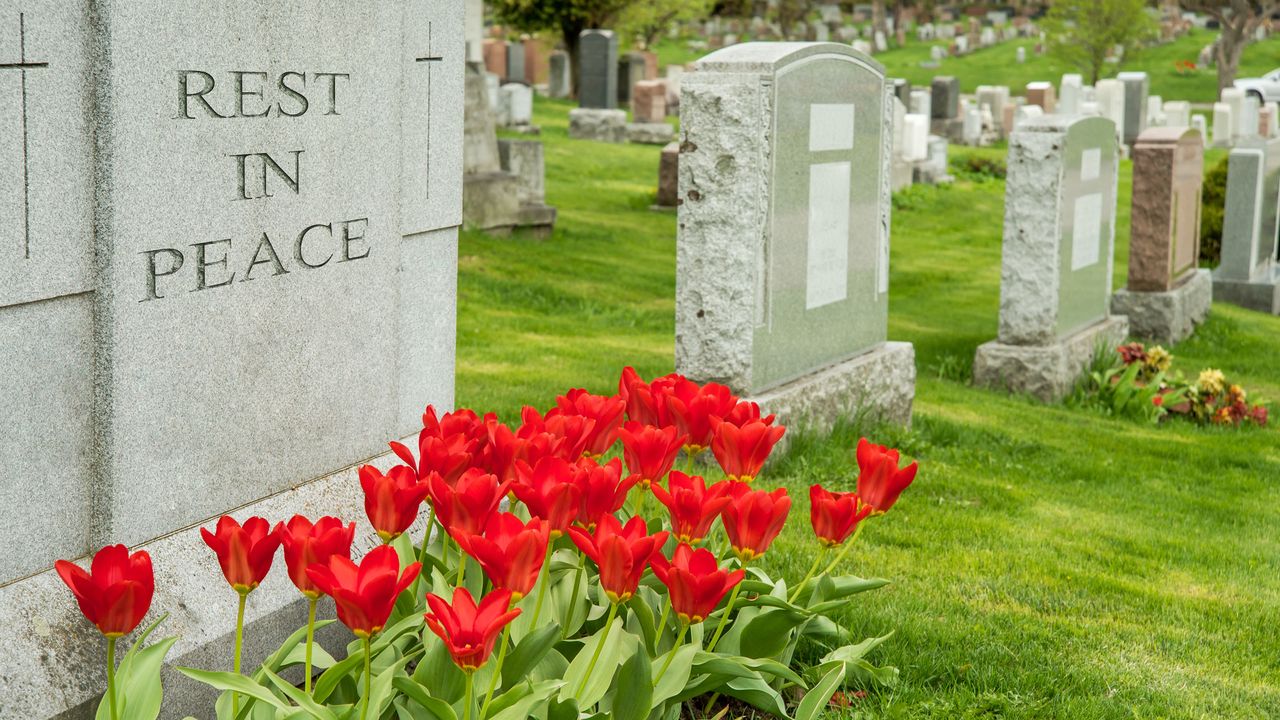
(835, 515)
(501, 450)
(603, 489)
(459, 422)
(745, 412)
(650, 451)
(391, 501)
(549, 492)
(573, 432)
(741, 451)
(606, 412)
(880, 481)
(620, 552)
(364, 594)
(692, 505)
(510, 552)
(465, 508)
(245, 553)
(696, 410)
(646, 402)
(306, 544)
(448, 456)
(116, 593)
(694, 581)
(753, 518)
(470, 631)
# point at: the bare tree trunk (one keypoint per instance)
(878, 17)
(569, 32)
(1231, 44)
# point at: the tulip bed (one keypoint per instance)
(606, 588)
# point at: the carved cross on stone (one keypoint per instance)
(22, 66)
(429, 58)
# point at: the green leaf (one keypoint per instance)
(757, 693)
(528, 653)
(329, 679)
(642, 614)
(138, 689)
(296, 641)
(819, 696)
(730, 666)
(595, 687)
(438, 671)
(522, 709)
(233, 682)
(300, 698)
(769, 632)
(433, 705)
(633, 692)
(677, 676)
(381, 690)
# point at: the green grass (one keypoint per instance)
(996, 65)
(1049, 562)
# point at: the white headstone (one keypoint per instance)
(1020, 55)
(1224, 124)
(1111, 100)
(1177, 113)
(1069, 98)
(1233, 97)
(915, 137)
(922, 103)
(1247, 120)
(1198, 123)
(1026, 112)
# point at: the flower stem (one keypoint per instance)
(311, 638)
(809, 575)
(466, 711)
(368, 679)
(426, 537)
(662, 621)
(844, 551)
(543, 582)
(462, 566)
(639, 502)
(235, 663)
(591, 666)
(573, 597)
(497, 669)
(684, 628)
(724, 619)
(111, 677)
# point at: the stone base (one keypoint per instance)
(928, 173)
(879, 384)
(52, 662)
(1262, 295)
(901, 175)
(490, 200)
(598, 124)
(952, 129)
(524, 129)
(1046, 372)
(538, 219)
(1167, 317)
(650, 133)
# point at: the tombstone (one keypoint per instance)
(1110, 95)
(934, 169)
(1058, 257)
(862, 46)
(1020, 55)
(962, 45)
(474, 30)
(597, 69)
(559, 82)
(915, 137)
(649, 102)
(598, 117)
(987, 37)
(515, 62)
(994, 97)
(1042, 94)
(1168, 294)
(1234, 98)
(1199, 125)
(921, 103)
(881, 43)
(821, 33)
(204, 313)
(674, 75)
(788, 305)
(972, 132)
(515, 105)
(495, 56)
(668, 177)
(1247, 122)
(650, 65)
(491, 85)
(1177, 113)
(902, 89)
(1136, 86)
(937, 53)
(945, 98)
(1023, 113)
(524, 160)
(1269, 123)
(1155, 111)
(901, 172)
(1224, 125)
(1071, 95)
(630, 71)
(1249, 275)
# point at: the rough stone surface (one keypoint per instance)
(515, 105)
(558, 81)
(598, 124)
(1262, 294)
(524, 160)
(1048, 372)
(1041, 297)
(1136, 87)
(1164, 235)
(1169, 316)
(649, 102)
(669, 176)
(659, 133)
(945, 100)
(877, 385)
(1042, 94)
(1250, 214)
(597, 69)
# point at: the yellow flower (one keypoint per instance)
(1236, 394)
(1211, 382)
(1158, 359)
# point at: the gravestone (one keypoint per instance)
(1224, 125)
(515, 105)
(1155, 112)
(1234, 98)
(994, 97)
(536, 57)
(1110, 96)
(1199, 125)
(219, 223)
(674, 74)
(945, 97)
(1249, 275)
(515, 63)
(921, 103)
(1136, 87)
(1167, 294)
(1177, 113)
(901, 89)
(598, 117)
(668, 177)
(915, 137)
(631, 70)
(1042, 94)
(1020, 55)
(558, 79)
(1070, 96)
(1247, 121)
(495, 57)
(783, 246)
(1058, 257)
(649, 102)
(524, 160)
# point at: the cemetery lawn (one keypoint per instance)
(1049, 562)
(996, 66)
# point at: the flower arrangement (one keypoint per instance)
(575, 600)
(1139, 384)
(1184, 67)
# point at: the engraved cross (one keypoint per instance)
(22, 66)
(429, 58)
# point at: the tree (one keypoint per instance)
(1239, 19)
(1084, 32)
(567, 17)
(649, 18)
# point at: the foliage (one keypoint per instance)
(1084, 33)
(979, 168)
(1213, 200)
(1238, 19)
(648, 19)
